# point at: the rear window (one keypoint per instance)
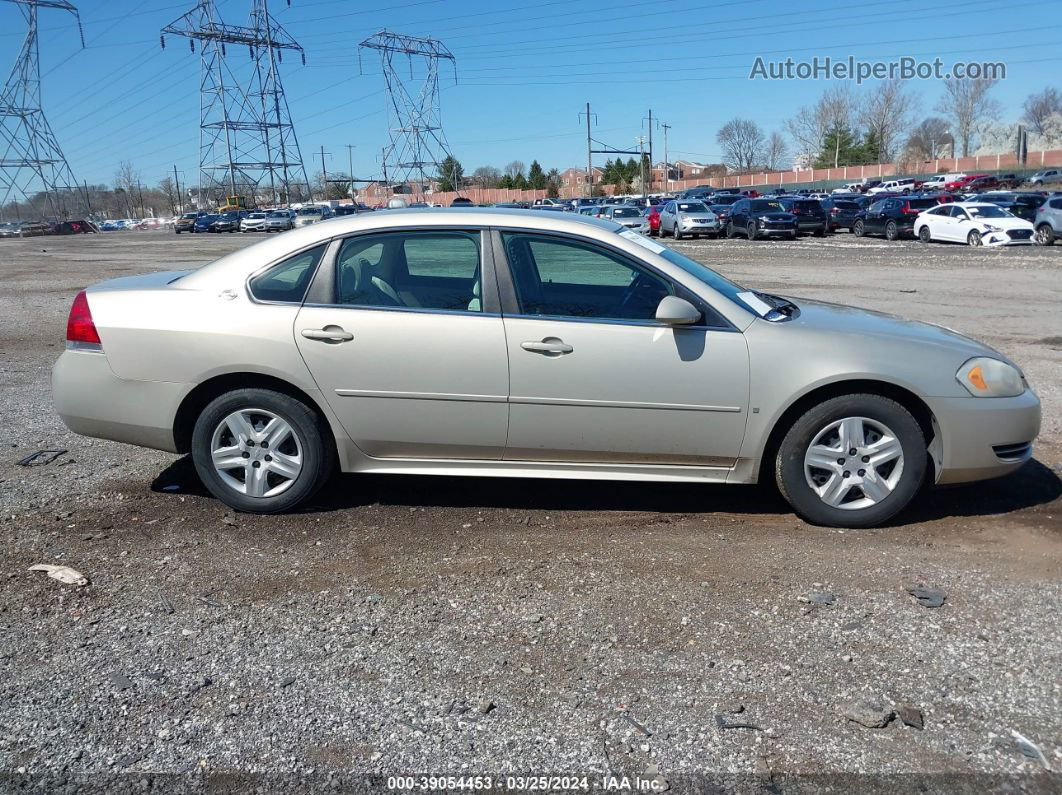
(846, 205)
(922, 204)
(287, 281)
(807, 205)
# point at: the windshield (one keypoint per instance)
(766, 207)
(310, 211)
(692, 207)
(626, 212)
(203, 218)
(190, 215)
(278, 214)
(987, 212)
(256, 215)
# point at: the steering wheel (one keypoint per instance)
(641, 287)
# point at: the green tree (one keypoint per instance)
(536, 177)
(450, 174)
(520, 182)
(841, 146)
(505, 182)
(553, 183)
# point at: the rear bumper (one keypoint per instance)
(984, 438)
(92, 401)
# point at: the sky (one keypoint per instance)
(524, 72)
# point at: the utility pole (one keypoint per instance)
(667, 166)
(177, 182)
(324, 173)
(350, 161)
(650, 120)
(641, 162)
(589, 155)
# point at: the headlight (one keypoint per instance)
(984, 377)
(990, 228)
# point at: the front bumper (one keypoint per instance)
(981, 438)
(1004, 239)
(92, 401)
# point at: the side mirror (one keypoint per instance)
(677, 311)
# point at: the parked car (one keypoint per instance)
(973, 223)
(253, 222)
(810, 215)
(278, 220)
(760, 218)
(652, 218)
(722, 212)
(1045, 176)
(9, 229)
(627, 215)
(1048, 221)
(1023, 205)
(204, 222)
(1008, 181)
(661, 386)
(312, 213)
(902, 185)
(186, 223)
(894, 218)
(937, 182)
(868, 184)
(843, 213)
(32, 229)
(963, 183)
(228, 221)
(680, 217)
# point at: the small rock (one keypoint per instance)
(1029, 748)
(229, 519)
(927, 597)
(485, 706)
(374, 598)
(821, 598)
(536, 618)
(120, 681)
(866, 713)
(911, 716)
(287, 681)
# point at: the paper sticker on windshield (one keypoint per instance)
(757, 305)
(641, 240)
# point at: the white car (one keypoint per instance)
(903, 185)
(253, 222)
(938, 181)
(973, 223)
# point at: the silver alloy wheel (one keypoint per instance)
(256, 452)
(853, 463)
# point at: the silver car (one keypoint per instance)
(311, 214)
(680, 217)
(253, 222)
(492, 342)
(279, 220)
(628, 216)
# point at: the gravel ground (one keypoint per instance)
(485, 627)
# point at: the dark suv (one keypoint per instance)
(843, 212)
(759, 218)
(811, 217)
(893, 217)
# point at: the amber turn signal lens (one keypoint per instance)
(977, 378)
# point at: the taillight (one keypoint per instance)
(835, 211)
(80, 330)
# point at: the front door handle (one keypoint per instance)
(548, 346)
(328, 334)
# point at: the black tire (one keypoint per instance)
(314, 436)
(177, 231)
(820, 232)
(790, 470)
(892, 231)
(729, 230)
(858, 229)
(925, 235)
(750, 230)
(1045, 235)
(675, 233)
(973, 239)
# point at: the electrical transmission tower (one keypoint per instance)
(32, 161)
(247, 142)
(417, 146)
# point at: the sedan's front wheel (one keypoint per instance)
(974, 238)
(261, 451)
(852, 461)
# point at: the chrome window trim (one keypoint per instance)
(325, 244)
(409, 309)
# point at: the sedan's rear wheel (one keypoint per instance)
(261, 451)
(925, 235)
(1045, 235)
(852, 461)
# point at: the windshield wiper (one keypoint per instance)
(781, 308)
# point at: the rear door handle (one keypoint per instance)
(550, 345)
(328, 334)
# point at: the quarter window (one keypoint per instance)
(565, 278)
(412, 270)
(287, 281)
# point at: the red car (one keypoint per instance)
(963, 184)
(654, 220)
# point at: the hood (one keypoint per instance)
(847, 321)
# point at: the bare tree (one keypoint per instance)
(885, 112)
(775, 152)
(930, 139)
(486, 176)
(743, 144)
(515, 168)
(166, 186)
(967, 104)
(834, 111)
(1041, 107)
